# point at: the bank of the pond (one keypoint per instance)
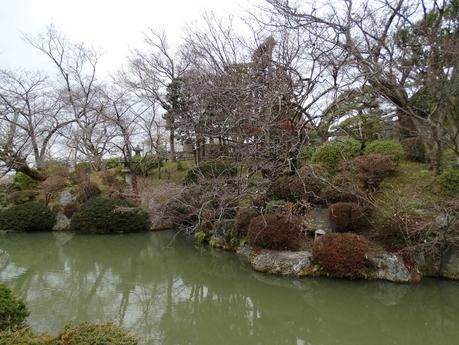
(165, 290)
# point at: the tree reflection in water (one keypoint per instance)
(171, 292)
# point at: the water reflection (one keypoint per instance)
(169, 292)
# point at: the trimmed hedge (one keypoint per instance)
(331, 154)
(103, 215)
(275, 231)
(13, 311)
(211, 169)
(347, 216)
(95, 334)
(30, 216)
(373, 169)
(390, 148)
(341, 254)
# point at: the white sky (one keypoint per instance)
(113, 26)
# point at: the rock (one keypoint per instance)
(65, 198)
(4, 259)
(62, 222)
(390, 267)
(160, 224)
(450, 263)
(317, 219)
(285, 263)
(244, 252)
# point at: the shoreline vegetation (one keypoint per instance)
(310, 143)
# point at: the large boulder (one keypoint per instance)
(388, 266)
(450, 263)
(284, 263)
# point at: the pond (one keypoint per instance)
(167, 291)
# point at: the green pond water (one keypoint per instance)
(166, 290)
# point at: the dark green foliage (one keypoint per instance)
(112, 163)
(95, 334)
(30, 216)
(211, 169)
(276, 231)
(341, 254)
(305, 155)
(13, 311)
(145, 165)
(87, 190)
(449, 180)
(330, 154)
(23, 182)
(102, 216)
(390, 148)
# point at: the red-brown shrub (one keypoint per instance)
(87, 190)
(341, 254)
(243, 218)
(347, 216)
(70, 209)
(275, 231)
(373, 169)
(344, 187)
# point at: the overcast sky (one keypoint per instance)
(113, 26)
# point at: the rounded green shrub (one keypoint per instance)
(331, 154)
(449, 180)
(95, 334)
(211, 169)
(25, 336)
(30, 216)
(390, 148)
(13, 311)
(305, 155)
(103, 215)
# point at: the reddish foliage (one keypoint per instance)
(275, 231)
(243, 218)
(341, 254)
(347, 216)
(374, 168)
(70, 209)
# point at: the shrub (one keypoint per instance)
(332, 153)
(390, 148)
(414, 149)
(305, 155)
(101, 215)
(13, 311)
(306, 185)
(341, 254)
(87, 190)
(344, 187)
(211, 169)
(23, 182)
(69, 209)
(21, 196)
(449, 180)
(275, 231)
(95, 334)
(373, 169)
(25, 336)
(243, 218)
(347, 216)
(30, 216)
